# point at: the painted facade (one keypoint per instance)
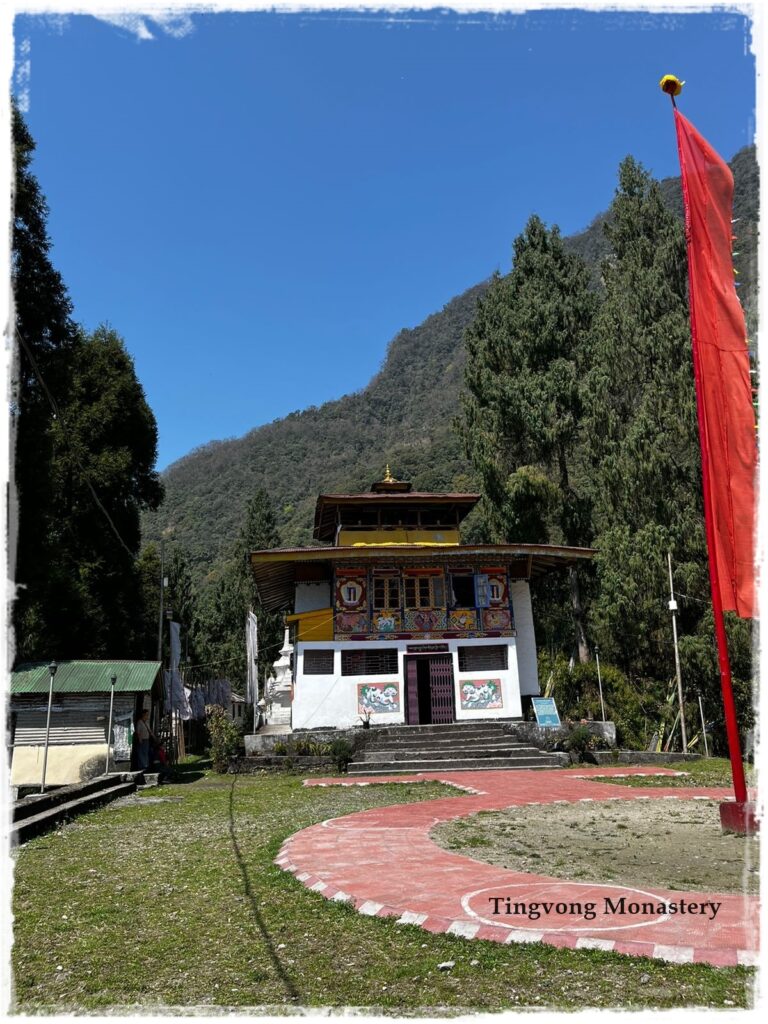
(396, 621)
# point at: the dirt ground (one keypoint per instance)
(674, 844)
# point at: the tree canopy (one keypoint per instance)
(84, 458)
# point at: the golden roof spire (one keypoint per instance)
(388, 478)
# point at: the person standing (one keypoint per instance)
(143, 737)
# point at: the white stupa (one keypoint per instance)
(281, 669)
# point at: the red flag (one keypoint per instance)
(721, 368)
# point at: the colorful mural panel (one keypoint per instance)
(462, 619)
(497, 619)
(425, 620)
(497, 588)
(480, 694)
(378, 698)
(351, 590)
(386, 621)
(351, 622)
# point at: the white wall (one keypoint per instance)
(527, 664)
(331, 700)
(311, 597)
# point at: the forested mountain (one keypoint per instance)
(404, 416)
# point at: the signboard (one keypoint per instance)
(546, 712)
(427, 648)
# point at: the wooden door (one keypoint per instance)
(441, 689)
(411, 692)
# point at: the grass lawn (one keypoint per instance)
(173, 900)
(709, 771)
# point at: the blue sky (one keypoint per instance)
(259, 205)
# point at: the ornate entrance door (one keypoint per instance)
(441, 689)
(411, 692)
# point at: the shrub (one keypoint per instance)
(224, 736)
(578, 696)
(580, 741)
(341, 751)
(280, 748)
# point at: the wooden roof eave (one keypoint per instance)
(274, 570)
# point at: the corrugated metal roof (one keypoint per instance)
(85, 677)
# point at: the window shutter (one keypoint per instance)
(482, 599)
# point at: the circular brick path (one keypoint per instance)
(384, 862)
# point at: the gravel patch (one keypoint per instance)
(675, 844)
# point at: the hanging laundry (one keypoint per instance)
(175, 696)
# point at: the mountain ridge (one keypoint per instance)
(403, 416)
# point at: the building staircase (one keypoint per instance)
(466, 746)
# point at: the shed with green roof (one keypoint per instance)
(79, 716)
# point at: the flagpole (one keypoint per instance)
(729, 815)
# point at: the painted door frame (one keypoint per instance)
(410, 673)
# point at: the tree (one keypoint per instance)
(640, 432)
(45, 339)
(522, 399)
(85, 449)
(101, 475)
(225, 604)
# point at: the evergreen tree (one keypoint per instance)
(45, 338)
(85, 448)
(522, 403)
(101, 475)
(640, 432)
(225, 604)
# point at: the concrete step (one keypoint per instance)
(483, 740)
(28, 827)
(452, 738)
(400, 768)
(471, 725)
(455, 765)
(451, 753)
(37, 803)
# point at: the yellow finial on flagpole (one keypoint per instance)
(671, 85)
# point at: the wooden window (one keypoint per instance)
(424, 592)
(318, 662)
(483, 658)
(386, 592)
(369, 661)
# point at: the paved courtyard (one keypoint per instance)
(385, 863)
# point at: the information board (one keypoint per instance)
(546, 712)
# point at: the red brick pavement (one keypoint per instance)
(383, 861)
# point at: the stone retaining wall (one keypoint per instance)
(277, 762)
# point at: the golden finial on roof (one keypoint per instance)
(388, 478)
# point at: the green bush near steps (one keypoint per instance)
(224, 735)
(340, 751)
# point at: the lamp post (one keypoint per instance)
(703, 728)
(113, 680)
(673, 611)
(599, 682)
(52, 673)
